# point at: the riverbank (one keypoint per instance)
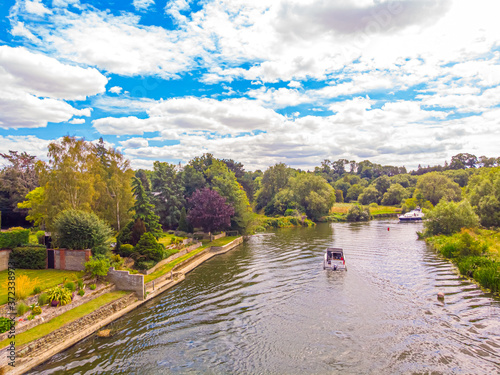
(475, 252)
(33, 352)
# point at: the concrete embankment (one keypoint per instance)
(38, 351)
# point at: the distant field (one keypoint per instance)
(343, 208)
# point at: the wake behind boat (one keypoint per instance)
(334, 259)
(413, 215)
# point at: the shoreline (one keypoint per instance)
(28, 355)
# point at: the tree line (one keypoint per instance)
(89, 176)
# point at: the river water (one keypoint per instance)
(268, 307)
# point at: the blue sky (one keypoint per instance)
(400, 82)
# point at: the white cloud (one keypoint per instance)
(41, 75)
(36, 7)
(142, 5)
(77, 121)
(30, 144)
(115, 89)
(19, 29)
(135, 143)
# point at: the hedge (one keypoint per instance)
(29, 257)
(14, 237)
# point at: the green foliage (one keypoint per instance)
(21, 308)
(81, 292)
(62, 295)
(29, 257)
(274, 179)
(5, 324)
(36, 310)
(145, 264)
(70, 286)
(184, 225)
(489, 276)
(126, 250)
(40, 236)
(124, 236)
(43, 299)
(369, 195)
(149, 247)
(358, 213)
(80, 284)
(116, 261)
(97, 266)
(92, 287)
(144, 210)
(469, 265)
(37, 290)
(394, 195)
(14, 237)
(169, 199)
(450, 217)
(138, 229)
(434, 186)
(353, 193)
(79, 230)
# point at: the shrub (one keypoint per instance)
(62, 295)
(22, 308)
(5, 324)
(37, 290)
(469, 246)
(126, 249)
(24, 286)
(81, 292)
(70, 286)
(469, 265)
(37, 310)
(14, 237)
(125, 233)
(92, 286)
(80, 284)
(449, 217)
(489, 276)
(138, 229)
(145, 264)
(116, 261)
(79, 230)
(97, 266)
(29, 257)
(43, 299)
(358, 213)
(149, 247)
(40, 236)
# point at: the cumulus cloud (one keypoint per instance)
(115, 89)
(135, 143)
(35, 87)
(142, 5)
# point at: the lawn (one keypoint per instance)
(46, 279)
(343, 208)
(168, 267)
(67, 317)
(167, 238)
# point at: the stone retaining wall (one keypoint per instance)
(71, 260)
(123, 280)
(70, 329)
(171, 258)
(4, 259)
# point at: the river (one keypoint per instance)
(268, 307)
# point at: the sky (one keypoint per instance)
(397, 82)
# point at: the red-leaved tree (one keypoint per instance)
(209, 210)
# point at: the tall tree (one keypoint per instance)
(209, 210)
(274, 179)
(144, 210)
(168, 193)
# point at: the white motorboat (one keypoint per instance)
(413, 215)
(334, 259)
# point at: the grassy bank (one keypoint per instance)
(476, 253)
(262, 223)
(168, 267)
(68, 317)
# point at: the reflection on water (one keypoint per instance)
(269, 307)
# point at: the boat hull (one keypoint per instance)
(410, 219)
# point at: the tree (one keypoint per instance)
(16, 180)
(435, 186)
(113, 191)
(313, 193)
(449, 217)
(463, 160)
(394, 195)
(168, 193)
(353, 193)
(192, 180)
(382, 184)
(149, 248)
(209, 210)
(184, 224)
(369, 195)
(36, 206)
(358, 213)
(144, 210)
(274, 179)
(79, 230)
